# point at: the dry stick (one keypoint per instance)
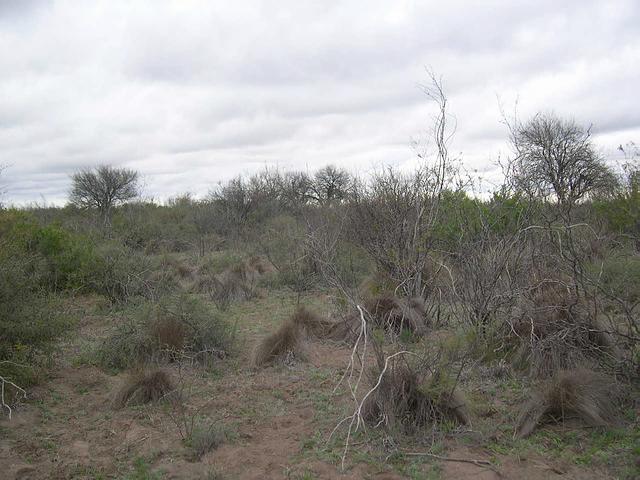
(354, 351)
(356, 417)
(2, 383)
(479, 463)
(353, 388)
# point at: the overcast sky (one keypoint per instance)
(190, 93)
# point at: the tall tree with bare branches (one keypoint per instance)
(103, 188)
(557, 161)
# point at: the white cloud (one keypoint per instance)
(192, 92)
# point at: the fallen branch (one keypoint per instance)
(479, 463)
(4, 381)
(355, 417)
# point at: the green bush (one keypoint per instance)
(154, 228)
(123, 274)
(58, 259)
(219, 262)
(283, 242)
(620, 275)
(176, 327)
(31, 316)
(622, 214)
(119, 273)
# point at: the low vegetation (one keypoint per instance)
(142, 386)
(448, 321)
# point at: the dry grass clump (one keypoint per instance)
(242, 279)
(288, 342)
(412, 399)
(284, 344)
(395, 314)
(206, 438)
(143, 386)
(314, 326)
(260, 265)
(582, 393)
(169, 333)
(237, 283)
(177, 266)
(556, 330)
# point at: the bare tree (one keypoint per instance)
(392, 216)
(235, 205)
(103, 188)
(556, 160)
(629, 177)
(330, 184)
(2, 187)
(295, 189)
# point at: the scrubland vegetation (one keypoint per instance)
(395, 326)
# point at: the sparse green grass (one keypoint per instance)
(85, 471)
(615, 449)
(142, 471)
(207, 436)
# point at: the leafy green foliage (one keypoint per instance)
(33, 263)
(58, 259)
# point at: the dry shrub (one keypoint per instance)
(143, 386)
(283, 344)
(205, 438)
(555, 329)
(411, 398)
(180, 326)
(244, 277)
(375, 284)
(260, 265)
(395, 314)
(289, 340)
(314, 326)
(169, 333)
(177, 267)
(590, 396)
(237, 283)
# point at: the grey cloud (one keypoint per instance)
(191, 93)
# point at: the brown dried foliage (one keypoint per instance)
(143, 386)
(556, 330)
(169, 333)
(413, 399)
(395, 314)
(284, 343)
(590, 396)
(289, 340)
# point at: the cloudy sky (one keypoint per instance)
(190, 93)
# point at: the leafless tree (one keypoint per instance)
(556, 160)
(392, 216)
(629, 176)
(330, 184)
(2, 187)
(295, 189)
(234, 204)
(103, 188)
